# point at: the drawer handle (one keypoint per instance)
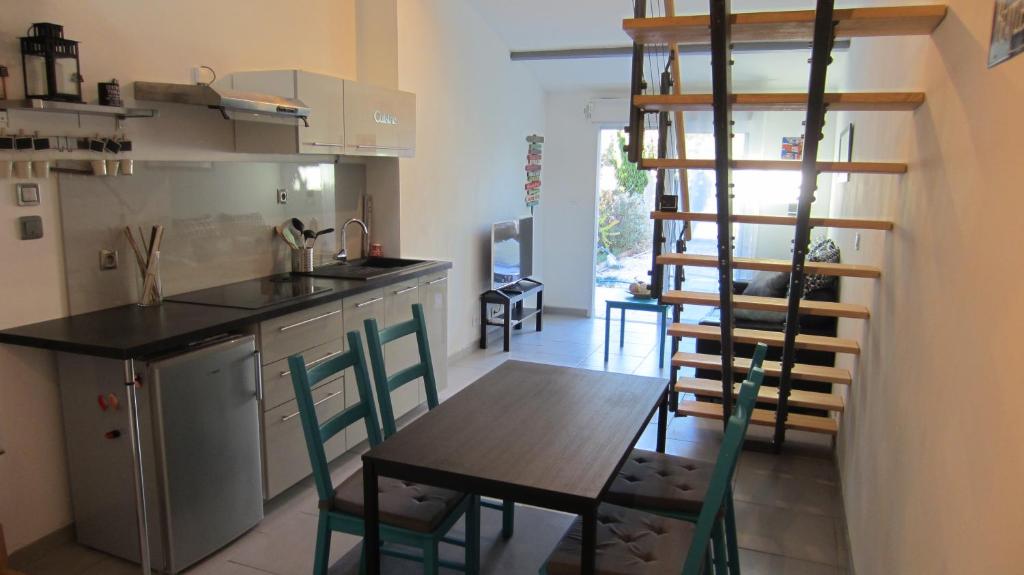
(259, 375)
(310, 320)
(406, 290)
(314, 362)
(329, 395)
(367, 146)
(324, 144)
(438, 280)
(369, 301)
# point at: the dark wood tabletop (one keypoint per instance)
(542, 431)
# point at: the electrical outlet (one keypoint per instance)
(856, 242)
(3, 119)
(282, 196)
(108, 260)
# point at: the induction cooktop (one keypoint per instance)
(253, 294)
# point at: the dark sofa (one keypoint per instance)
(810, 325)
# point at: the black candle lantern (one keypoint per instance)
(50, 64)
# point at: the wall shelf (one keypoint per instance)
(37, 105)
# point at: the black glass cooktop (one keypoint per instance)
(253, 294)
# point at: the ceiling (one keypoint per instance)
(526, 25)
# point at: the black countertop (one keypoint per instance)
(133, 332)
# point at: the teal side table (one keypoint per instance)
(637, 304)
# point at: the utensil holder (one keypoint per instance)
(302, 260)
(150, 290)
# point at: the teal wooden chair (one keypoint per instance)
(376, 339)
(676, 487)
(411, 515)
(640, 543)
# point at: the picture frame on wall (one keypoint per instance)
(1007, 31)
(844, 151)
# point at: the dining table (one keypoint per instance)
(537, 434)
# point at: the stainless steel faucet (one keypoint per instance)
(343, 254)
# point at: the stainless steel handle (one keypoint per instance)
(259, 375)
(369, 301)
(383, 147)
(438, 280)
(329, 395)
(324, 144)
(314, 362)
(406, 290)
(310, 320)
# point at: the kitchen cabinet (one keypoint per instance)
(325, 97)
(358, 309)
(433, 294)
(315, 333)
(379, 121)
(286, 458)
(403, 352)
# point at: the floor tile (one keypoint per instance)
(787, 465)
(757, 563)
(68, 558)
(785, 532)
(789, 493)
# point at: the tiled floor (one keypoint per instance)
(788, 507)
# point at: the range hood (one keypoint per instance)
(232, 104)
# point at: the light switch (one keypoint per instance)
(28, 194)
(31, 227)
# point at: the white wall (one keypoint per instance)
(571, 156)
(158, 41)
(475, 109)
(930, 443)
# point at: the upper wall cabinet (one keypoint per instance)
(346, 117)
(379, 121)
(325, 97)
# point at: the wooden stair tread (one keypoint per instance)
(774, 165)
(807, 307)
(785, 102)
(770, 265)
(801, 371)
(771, 338)
(795, 25)
(797, 397)
(764, 417)
(847, 223)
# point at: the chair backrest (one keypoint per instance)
(376, 339)
(725, 465)
(760, 350)
(317, 434)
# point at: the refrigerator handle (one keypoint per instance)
(259, 375)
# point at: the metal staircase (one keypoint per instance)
(662, 34)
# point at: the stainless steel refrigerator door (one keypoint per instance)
(208, 447)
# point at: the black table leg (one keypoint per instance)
(519, 310)
(589, 551)
(371, 519)
(508, 325)
(540, 310)
(662, 422)
(483, 323)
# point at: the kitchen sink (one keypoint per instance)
(364, 269)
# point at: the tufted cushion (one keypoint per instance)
(651, 480)
(402, 504)
(629, 542)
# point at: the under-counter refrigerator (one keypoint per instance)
(199, 420)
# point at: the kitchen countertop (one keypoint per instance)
(133, 332)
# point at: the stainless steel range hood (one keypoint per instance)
(232, 104)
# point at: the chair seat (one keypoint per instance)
(629, 542)
(651, 480)
(411, 506)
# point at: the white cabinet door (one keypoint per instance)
(434, 298)
(325, 97)
(357, 309)
(404, 352)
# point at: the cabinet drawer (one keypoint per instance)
(286, 458)
(402, 353)
(358, 309)
(294, 333)
(277, 377)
